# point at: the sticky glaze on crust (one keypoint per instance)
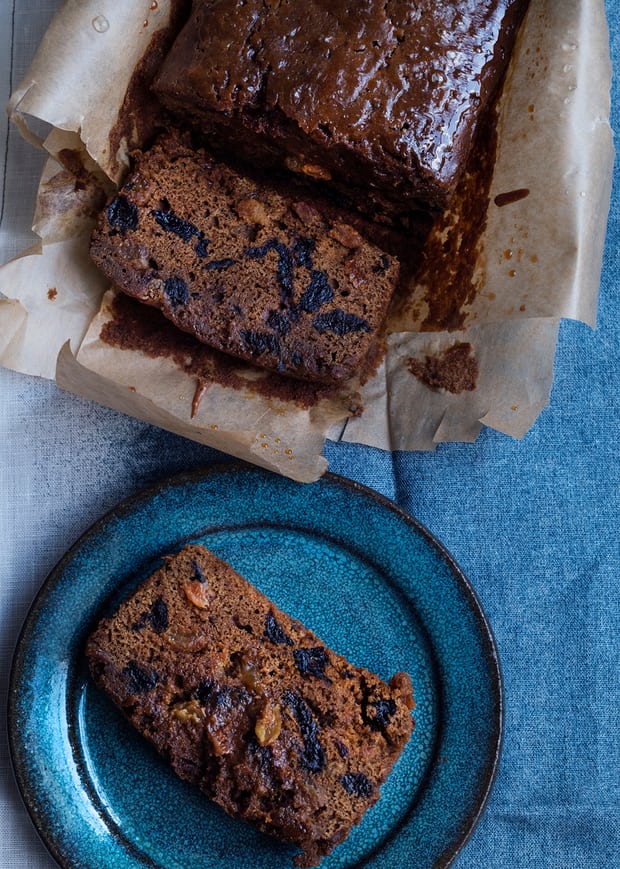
(249, 705)
(381, 97)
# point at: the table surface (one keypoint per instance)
(533, 523)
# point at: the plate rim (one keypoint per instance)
(196, 475)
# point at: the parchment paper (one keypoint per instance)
(538, 261)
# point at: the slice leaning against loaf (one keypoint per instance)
(249, 705)
(261, 274)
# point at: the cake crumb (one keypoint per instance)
(454, 370)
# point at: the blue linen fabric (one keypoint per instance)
(534, 524)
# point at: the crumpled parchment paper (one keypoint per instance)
(537, 261)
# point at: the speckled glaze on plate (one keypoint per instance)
(369, 579)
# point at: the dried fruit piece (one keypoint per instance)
(275, 632)
(219, 265)
(252, 211)
(285, 270)
(356, 783)
(340, 323)
(377, 713)
(141, 678)
(176, 291)
(159, 615)
(383, 264)
(197, 593)
(268, 725)
(346, 235)
(313, 755)
(247, 673)
(122, 214)
(171, 222)
(318, 292)
(303, 250)
(312, 662)
(260, 342)
(188, 711)
(198, 572)
(304, 211)
(186, 641)
(156, 617)
(313, 170)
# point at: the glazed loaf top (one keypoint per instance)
(385, 94)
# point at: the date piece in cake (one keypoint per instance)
(249, 705)
(277, 280)
(383, 97)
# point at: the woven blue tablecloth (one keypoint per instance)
(535, 525)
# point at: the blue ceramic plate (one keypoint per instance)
(357, 570)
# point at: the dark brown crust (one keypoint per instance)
(249, 705)
(278, 281)
(383, 99)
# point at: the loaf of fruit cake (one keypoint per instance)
(381, 97)
(282, 281)
(249, 705)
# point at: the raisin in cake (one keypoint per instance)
(249, 705)
(283, 282)
(383, 97)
